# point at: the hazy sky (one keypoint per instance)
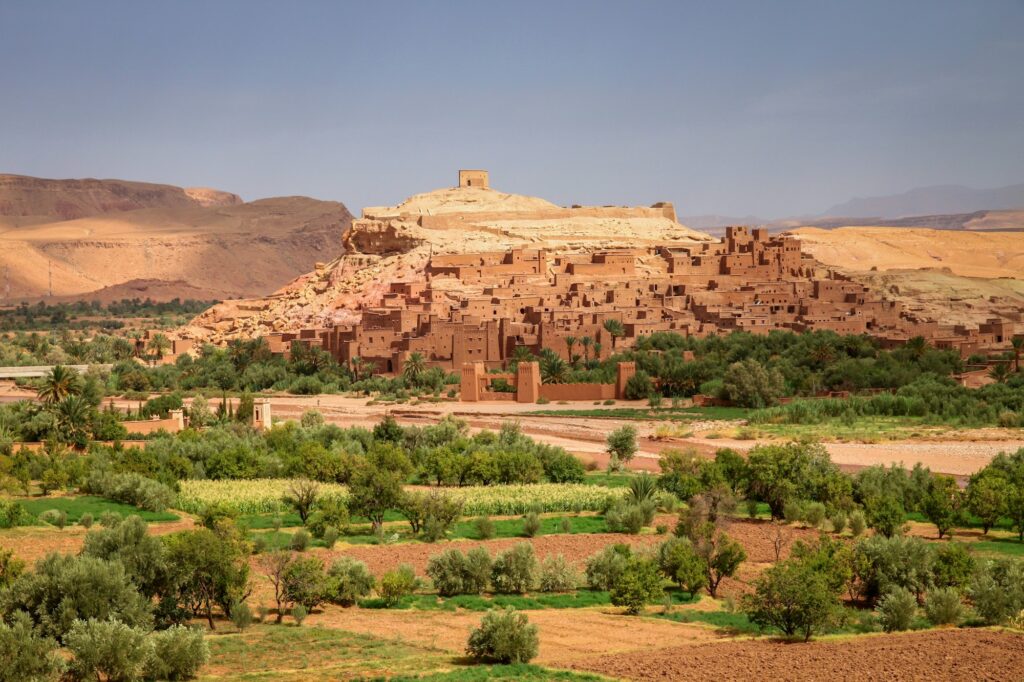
(772, 108)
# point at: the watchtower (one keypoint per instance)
(473, 178)
(261, 419)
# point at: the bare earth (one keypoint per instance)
(964, 654)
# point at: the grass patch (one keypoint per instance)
(519, 671)
(609, 480)
(1005, 546)
(286, 652)
(580, 599)
(513, 528)
(75, 507)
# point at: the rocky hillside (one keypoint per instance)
(393, 244)
(97, 238)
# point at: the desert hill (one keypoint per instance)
(393, 244)
(165, 241)
(29, 200)
(953, 276)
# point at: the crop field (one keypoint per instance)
(264, 496)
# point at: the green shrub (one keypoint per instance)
(65, 588)
(178, 653)
(997, 590)
(885, 563)
(12, 514)
(299, 540)
(944, 607)
(814, 514)
(557, 575)
(953, 565)
(896, 609)
(330, 513)
(794, 597)
(515, 570)
(398, 583)
(794, 511)
(240, 615)
(484, 527)
(531, 525)
(25, 655)
(565, 526)
(605, 567)
(130, 488)
(85, 520)
(330, 537)
(55, 517)
(838, 521)
(625, 518)
(504, 636)
(299, 614)
(304, 582)
(638, 584)
(857, 523)
(108, 649)
(679, 562)
(348, 581)
(453, 572)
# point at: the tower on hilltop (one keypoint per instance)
(473, 178)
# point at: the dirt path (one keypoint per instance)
(964, 654)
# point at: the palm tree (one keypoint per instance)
(1018, 346)
(614, 329)
(917, 347)
(414, 367)
(72, 415)
(159, 345)
(1000, 372)
(553, 369)
(586, 342)
(357, 363)
(597, 350)
(570, 341)
(61, 382)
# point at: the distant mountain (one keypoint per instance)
(97, 239)
(934, 200)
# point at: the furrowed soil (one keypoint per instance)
(957, 654)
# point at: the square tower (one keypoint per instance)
(473, 178)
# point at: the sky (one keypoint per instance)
(735, 108)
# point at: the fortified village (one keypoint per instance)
(410, 282)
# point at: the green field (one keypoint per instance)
(583, 598)
(74, 507)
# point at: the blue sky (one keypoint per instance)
(771, 108)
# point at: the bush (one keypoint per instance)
(330, 537)
(108, 649)
(838, 521)
(130, 488)
(793, 597)
(504, 636)
(515, 570)
(54, 517)
(299, 614)
(679, 563)
(638, 584)
(305, 582)
(557, 575)
(453, 572)
(25, 655)
(484, 527)
(857, 523)
(896, 609)
(178, 653)
(330, 512)
(240, 615)
(299, 540)
(953, 566)
(814, 514)
(605, 567)
(944, 607)
(348, 581)
(531, 525)
(794, 511)
(85, 520)
(398, 583)
(625, 518)
(997, 590)
(12, 514)
(885, 563)
(65, 588)
(565, 526)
